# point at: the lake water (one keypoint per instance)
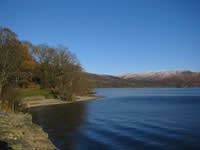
(126, 119)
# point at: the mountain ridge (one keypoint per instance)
(162, 78)
(157, 75)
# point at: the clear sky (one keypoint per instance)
(112, 36)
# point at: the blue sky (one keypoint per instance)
(112, 36)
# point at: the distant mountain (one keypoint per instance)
(174, 78)
(165, 78)
(108, 81)
(159, 75)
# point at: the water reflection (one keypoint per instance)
(61, 122)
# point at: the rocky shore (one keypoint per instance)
(17, 132)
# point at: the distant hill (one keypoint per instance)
(166, 78)
(108, 81)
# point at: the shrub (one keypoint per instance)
(62, 94)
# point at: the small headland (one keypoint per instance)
(40, 97)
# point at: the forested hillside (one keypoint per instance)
(108, 81)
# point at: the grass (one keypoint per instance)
(29, 92)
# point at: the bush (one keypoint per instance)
(62, 94)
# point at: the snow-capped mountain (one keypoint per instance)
(164, 78)
(158, 75)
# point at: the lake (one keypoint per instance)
(126, 119)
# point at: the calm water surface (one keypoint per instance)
(126, 119)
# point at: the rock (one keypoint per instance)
(19, 133)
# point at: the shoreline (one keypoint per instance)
(48, 102)
(18, 132)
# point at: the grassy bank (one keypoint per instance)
(30, 92)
